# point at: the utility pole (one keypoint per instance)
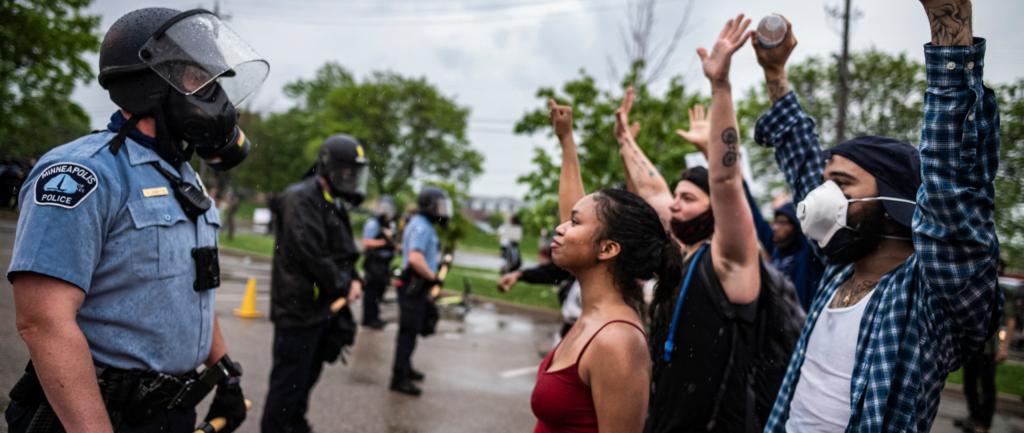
(844, 75)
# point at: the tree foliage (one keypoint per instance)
(40, 63)
(409, 130)
(593, 120)
(886, 98)
(1009, 214)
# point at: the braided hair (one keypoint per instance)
(647, 249)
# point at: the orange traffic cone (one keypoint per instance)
(248, 310)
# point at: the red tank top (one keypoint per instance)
(561, 401)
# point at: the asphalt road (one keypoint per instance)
(480, 368)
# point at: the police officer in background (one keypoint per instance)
(378, 241)
(314, 265)
(115, 258)
(419, 275)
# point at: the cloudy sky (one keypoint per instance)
(492, 55)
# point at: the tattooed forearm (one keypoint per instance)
(951, 23)
(777, 88)
(730, 138)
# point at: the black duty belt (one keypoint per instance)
(136, 396)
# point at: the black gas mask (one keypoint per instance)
(207, 121)
(187, 70)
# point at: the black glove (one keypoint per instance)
(228, 403)
(438, 282)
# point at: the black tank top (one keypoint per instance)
(684, 392)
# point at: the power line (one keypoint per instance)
(415, 13)
(404, 21)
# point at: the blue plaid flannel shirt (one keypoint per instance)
(930, 314)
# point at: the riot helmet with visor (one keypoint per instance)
(343, 164)
(187, 70)
(435, 204)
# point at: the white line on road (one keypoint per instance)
(518, 372)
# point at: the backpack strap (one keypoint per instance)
(679, 304)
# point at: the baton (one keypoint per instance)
(218, 423)
(338, 304)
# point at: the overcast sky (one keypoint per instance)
(493, 55)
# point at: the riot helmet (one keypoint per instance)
(435, 205)
(342, 164)
(188, 71)
(385, 207)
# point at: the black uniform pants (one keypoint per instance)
(169, 421)
(981, 368)
(296, 369)
(412, 311)
(377, 280)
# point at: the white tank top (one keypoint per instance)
(821, 401)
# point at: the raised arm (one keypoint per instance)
(786, 127)
(734, 245)
(699, 135)
(570, 182)
(639, 170)
(954, 233)
(630, 185)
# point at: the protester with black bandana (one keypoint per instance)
(696, 332)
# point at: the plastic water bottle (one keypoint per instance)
(771, 31)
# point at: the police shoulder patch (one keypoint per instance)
(64, 184)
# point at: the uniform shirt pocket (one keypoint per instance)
(162, 239)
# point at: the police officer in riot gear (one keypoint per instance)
(115, 260)
(379, 245)
(314, 265)
(420, 260)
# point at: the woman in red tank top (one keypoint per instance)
(598, 378)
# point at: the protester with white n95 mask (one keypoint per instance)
(910, 292)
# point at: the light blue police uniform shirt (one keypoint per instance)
(371, 229)
(85, 220)
(419, 235)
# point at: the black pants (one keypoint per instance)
(377, 280)
(981, 407)
(296, 369)
(412, 311)
(6, 194)
(169, 421)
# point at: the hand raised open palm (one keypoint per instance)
(700, 128)
(733, 36)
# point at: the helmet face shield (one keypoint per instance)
(445, 208)
(199, 48)
(349, 181)
(385, 207)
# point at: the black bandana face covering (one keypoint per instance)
(695, 229)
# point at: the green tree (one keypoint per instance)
(1009, 213)
(40, 63)
(886, 94)
(593, 119)
(406, 125)
(278, 155)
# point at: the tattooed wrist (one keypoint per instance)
(778, 88)
(731, 138)
(951, 23)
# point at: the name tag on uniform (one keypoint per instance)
(154, 192)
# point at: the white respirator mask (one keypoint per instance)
(823, 213)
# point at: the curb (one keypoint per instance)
(477, 300)
(256, 257)
(509, 306)
(1005, 403)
